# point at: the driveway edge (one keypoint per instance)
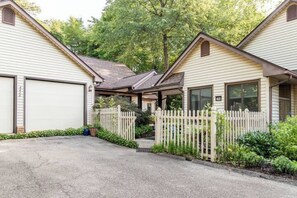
(235, 170)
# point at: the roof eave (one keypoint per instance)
(51, 38)
(251, 35)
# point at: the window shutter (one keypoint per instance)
(292, 13)
(8, 16)
(205, 49)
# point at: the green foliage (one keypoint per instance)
(71, 33)
(174, 102)
(114, 138)
(30, 7)
(149, 35)
(283, 164)
(142, 118)
(180, 150)
(261, 143)
(241, 156)
(158, 148)
(47, 133)
(285, 133)
(143, 131)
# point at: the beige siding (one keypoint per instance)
(275, 101)
(222, 66)
(27, 53)
(277, 42)
(144, 103)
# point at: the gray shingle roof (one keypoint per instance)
(131, 80)
(111, 72)
(150, 82)
(174, 79)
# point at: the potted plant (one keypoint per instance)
(93, 131)
(86, 131)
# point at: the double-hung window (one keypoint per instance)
(200, 98)
(243, 96)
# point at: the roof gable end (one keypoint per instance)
(33, 23)
(202, 36)
(264, 23)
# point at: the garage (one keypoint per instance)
(54, 105)
(6, 104)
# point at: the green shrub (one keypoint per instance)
(143, 131)
(47, 133)
(142, 118)
(239, 155)
(158, 148)
(180, 150)
(116, 139)
(283, 164)
(261, 143)
(285, 134)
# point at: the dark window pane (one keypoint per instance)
(234, 104)
(199, 98)
(251, 104)
(250, 90)
(285, 91)
(234, 91)
(243, 96)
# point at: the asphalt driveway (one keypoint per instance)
(89, 167)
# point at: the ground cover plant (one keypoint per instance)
(116, 139)
(47, 133)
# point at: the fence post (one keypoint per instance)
(213, 134)
(119, 120)
(247, 120)
(157, 126)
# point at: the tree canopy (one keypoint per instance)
(30, 7)
(151, 34)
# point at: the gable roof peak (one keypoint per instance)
(268, 19)
(222, 44)
(21, 12)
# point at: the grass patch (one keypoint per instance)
(179, 150)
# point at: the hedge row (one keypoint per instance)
(47, 133)
(116, 139)
(102, 134)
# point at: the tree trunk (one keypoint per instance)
(165, 51)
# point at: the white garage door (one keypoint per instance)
(6, 105)
(51, 105)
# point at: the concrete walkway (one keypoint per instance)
(89, 167)
(145, 143)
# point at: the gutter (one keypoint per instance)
(270, 94)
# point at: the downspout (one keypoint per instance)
(270, 95)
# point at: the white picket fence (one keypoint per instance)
(118, 122)
(238, 123)
(198, 129)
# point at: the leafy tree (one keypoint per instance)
(71, 32)
(149, 34)
(30, 7)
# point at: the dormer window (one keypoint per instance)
(8, 16)
(292, 13)
(205, 49)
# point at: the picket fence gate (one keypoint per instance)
(118, 122)
(204, 131)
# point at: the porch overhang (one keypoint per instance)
(156, 89)
(280, 73)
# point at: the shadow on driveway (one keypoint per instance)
(90, 167)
